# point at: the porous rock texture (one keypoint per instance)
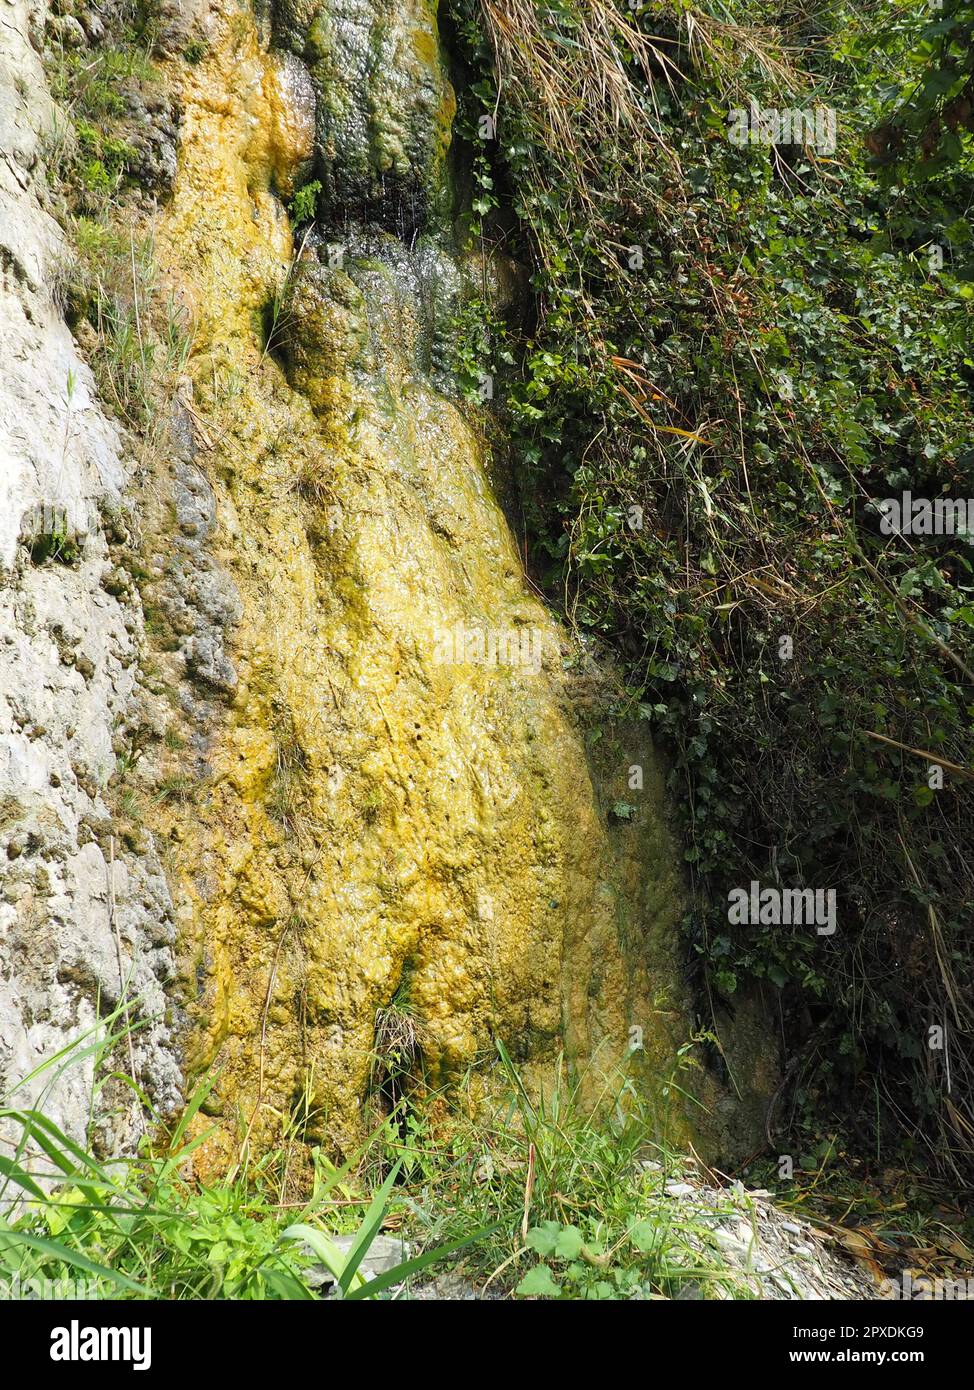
(393, 818)
(68, 672)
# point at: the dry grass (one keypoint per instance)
(397, 1038)
(616, 69)
(289, 788)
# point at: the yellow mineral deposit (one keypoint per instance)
(381, 822)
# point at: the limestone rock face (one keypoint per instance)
(68, 672)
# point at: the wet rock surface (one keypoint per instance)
(291, 95)
(384, 104)
(386, 787)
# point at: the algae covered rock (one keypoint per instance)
(370, 305)
(291, 100)
(325, 327)
(404, 817)
(384, 104)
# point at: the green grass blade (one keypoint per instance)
(420, 1262)
(192, 1106)
(371, 1222)
(331, 1257)
(287, 1286)
(15, 1174)
(46, 1134)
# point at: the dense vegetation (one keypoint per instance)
(739, 351)
(541, 1198)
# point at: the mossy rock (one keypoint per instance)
(324, 327)
(385, 106)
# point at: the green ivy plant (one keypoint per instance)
(738, 351)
